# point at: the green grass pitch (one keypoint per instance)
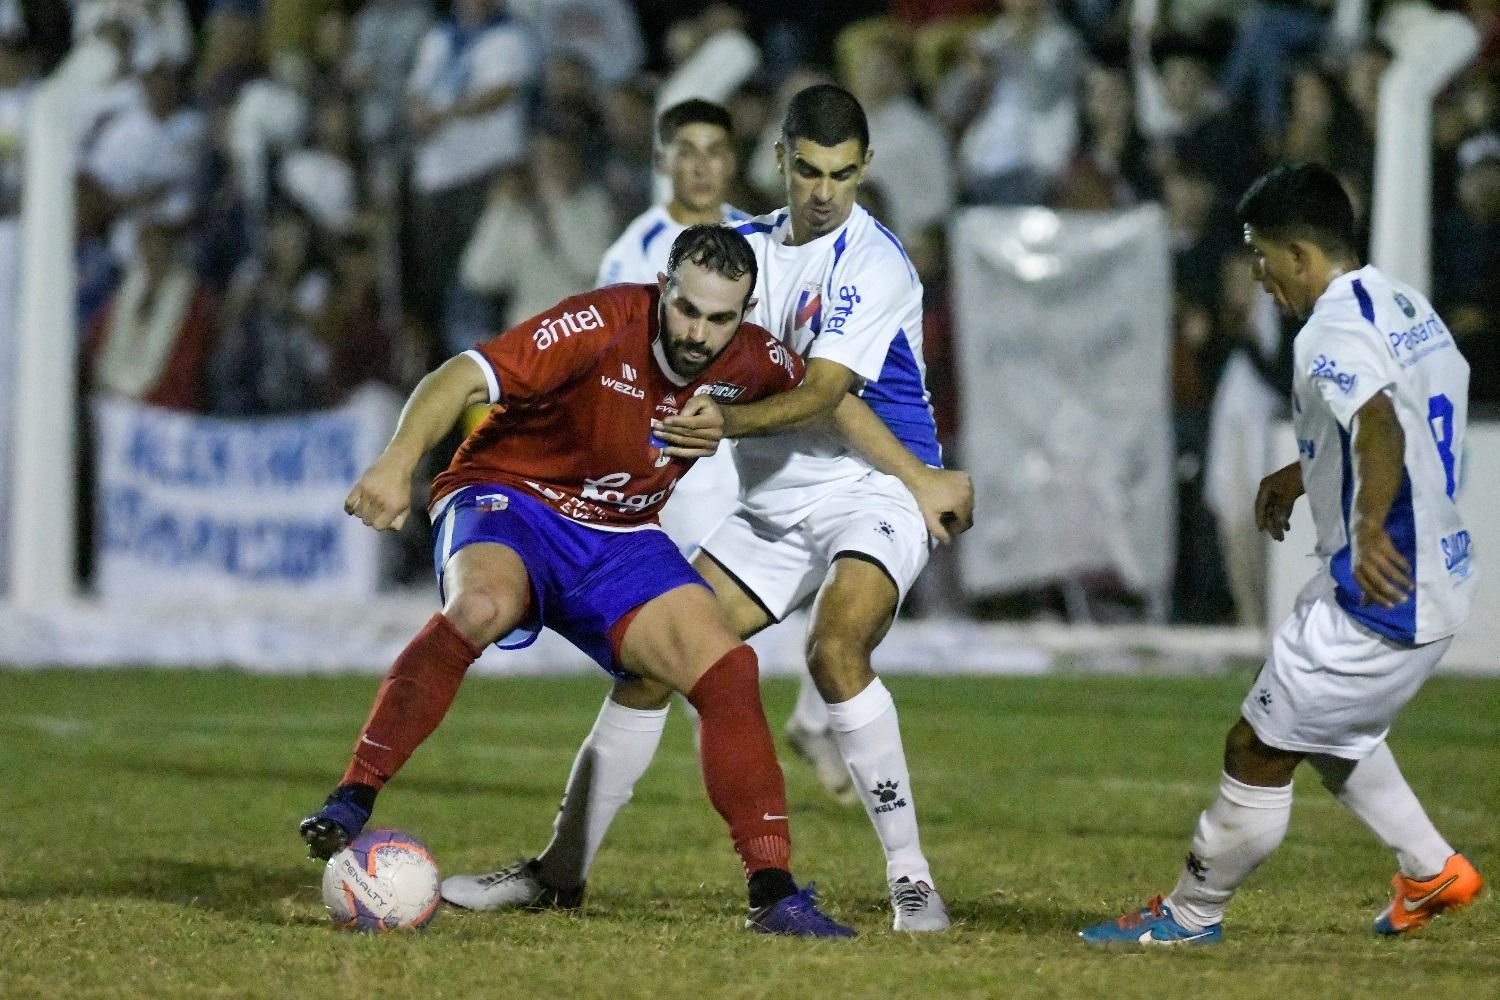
(149, 848)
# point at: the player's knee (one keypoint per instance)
(839, 663)
(1249, 760)
(484, 614)
(641, 694)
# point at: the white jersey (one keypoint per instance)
(640, 254)
(853, 297)
(1368, 334)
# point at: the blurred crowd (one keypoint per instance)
(280, 200)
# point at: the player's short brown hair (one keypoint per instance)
(717, 248)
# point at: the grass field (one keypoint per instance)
(149, 822)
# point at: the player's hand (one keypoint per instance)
(946, 499)
(382, 497)
(695, 432)
(1382, 572)
(1274, 500)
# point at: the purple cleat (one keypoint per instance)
(797, 915)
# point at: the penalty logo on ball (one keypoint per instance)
(385, 880)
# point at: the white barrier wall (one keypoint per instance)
(1477, 648)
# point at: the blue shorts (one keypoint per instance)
(583, 580)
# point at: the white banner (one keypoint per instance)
(204, 508)
(1062, 328)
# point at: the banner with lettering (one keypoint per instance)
(198, 507)
(1063, 337)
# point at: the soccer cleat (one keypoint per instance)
(917, 906)
(796, 915)
(1152, 924)
(821, 750)
(1418, 902)
(329, 830)
(515, 887)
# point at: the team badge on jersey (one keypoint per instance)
(809, 310)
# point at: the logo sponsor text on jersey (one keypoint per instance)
(848, 298)
(564, 326)
(1324, 367)
(1406, 306)
(724, 392)
(1456, 552)
(610, 382)
(627, 373)
(781, 356)
(610, 490)
(1412, 339)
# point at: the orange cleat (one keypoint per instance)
(1418, 902)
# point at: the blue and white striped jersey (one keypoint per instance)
(1368, 334)
(853, 297)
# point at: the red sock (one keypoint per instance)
(413, 699)
(739, 761)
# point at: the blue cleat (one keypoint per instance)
(330, 829)
(1153, 924)
(797, 915)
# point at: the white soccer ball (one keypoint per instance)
(385, 880)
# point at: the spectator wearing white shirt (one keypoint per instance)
(912, 162)
(466, 107)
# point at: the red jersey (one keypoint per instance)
(578, 387)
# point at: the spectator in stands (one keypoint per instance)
(152, 340)
(269, 117)
(710, 55)
(268, 360)
(1466, 264)
(148, 153)
(1014, 104)
(1192, 128)
(386, 36)
(1199, 592)
(542, 233)
(628, 171)
(605, 33)
(322, 178)
(912, 162)
(1323, 127)
(466, 108)
(1111, 166)
(360, 342)
(1274, 36)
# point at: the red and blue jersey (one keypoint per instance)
(578, 387)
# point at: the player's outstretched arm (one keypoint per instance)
(1275, 499)
(1379, 454)
(945, 496)
(382, 495)
(702, 421)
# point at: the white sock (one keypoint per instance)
(1234, 835)
(611, 760)
(1374, 790)
(811, 711)
(869, 736)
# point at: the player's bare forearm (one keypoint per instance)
(1275, 499)
(945, 496)
(383, 493)
(824, 386)
(1379, 453)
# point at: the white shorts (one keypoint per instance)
(1330, 685)
(874, 519)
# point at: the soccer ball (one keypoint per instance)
(385, 880)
